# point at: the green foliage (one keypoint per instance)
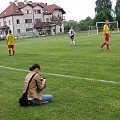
(100, 17)
(82, 25)
(103, 5)
(117, 9)
(69, 24)
(103, 10)
(4, 38)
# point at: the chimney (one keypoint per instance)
(30, 2)
(16, 2)
(25, 1)
(10, 2)
(46, 7)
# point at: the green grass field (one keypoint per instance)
(66, 69)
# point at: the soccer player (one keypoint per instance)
(72, 33)
(106, 35)
(10, 42)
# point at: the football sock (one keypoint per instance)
(9, 51)
(13, 52)
(74, 42)
(103, 44)
(107, 46)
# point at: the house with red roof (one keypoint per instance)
(32, 17)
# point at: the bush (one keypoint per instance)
(3, 38)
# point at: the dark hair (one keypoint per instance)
(10, 31)
(33, 67)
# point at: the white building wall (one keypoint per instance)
(57, 29)
(9, 22)
(20, 26)
(57, 13)
(38, 16)
(24, 25)
(45, 18)
(62, 26)
(53, 30)
(28, 16)
(1, 21)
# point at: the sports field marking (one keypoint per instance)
(65, 76)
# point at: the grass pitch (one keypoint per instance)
(74, 99)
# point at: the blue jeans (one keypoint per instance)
(45, 99)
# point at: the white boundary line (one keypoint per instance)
(65, 76)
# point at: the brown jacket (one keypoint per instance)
(35, 83)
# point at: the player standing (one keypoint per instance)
(10, 42)
(106, 35)
(72, 33)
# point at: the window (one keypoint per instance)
(53, 30)
(47, 19)
(28, 12)
(4, 22)
(37, 11)
(37, 20)
(28, 20)
(18, 21)
(9, 22)
(29, 29)
(18, 30)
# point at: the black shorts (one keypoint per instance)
(72, 37)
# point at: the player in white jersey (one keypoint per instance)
(72, 33)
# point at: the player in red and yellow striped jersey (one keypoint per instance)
(106, 34)
(10, 42)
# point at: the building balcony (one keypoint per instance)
(57, 18)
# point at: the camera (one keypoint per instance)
(43, 79)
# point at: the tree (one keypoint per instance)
(101, 16)
(84, 24)
(117, 10)
(71, 23)
(103, 7)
